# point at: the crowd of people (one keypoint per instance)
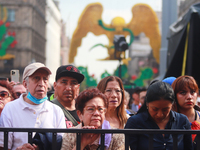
(167, 104)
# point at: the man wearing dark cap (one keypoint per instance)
(66, 86)
(31, 109)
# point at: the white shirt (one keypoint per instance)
(20, 114)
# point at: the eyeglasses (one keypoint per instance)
(92, 109)
(18, 94)
(4, 94)
(109, 91)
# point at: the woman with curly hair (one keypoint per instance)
(113, 88)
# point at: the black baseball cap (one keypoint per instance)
(69, 71)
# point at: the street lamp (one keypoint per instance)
(121, 46)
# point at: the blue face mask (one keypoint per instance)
(35, 100)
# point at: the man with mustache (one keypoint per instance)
(31, 109)
(66, 86)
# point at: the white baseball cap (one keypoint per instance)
(30, 69)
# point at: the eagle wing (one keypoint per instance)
(88, 22)
(145, 20)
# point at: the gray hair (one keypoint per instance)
(26, 79)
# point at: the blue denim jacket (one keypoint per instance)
(144, 121)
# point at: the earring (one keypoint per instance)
(147, 107)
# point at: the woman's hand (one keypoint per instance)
(12, 83)
(27, 146)
(88, 138)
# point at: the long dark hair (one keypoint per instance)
(158, 90)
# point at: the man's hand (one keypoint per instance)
(27, 146)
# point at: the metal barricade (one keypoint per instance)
(126, 132)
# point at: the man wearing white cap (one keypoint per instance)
(31, 110)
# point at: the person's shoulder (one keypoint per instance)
(53, 100)
(67, 135)
(180, 118)
(178, 115)
(139, 116)
(53, 106)
(47, 102)
(180, 121)
(137, 121)
(12, 104)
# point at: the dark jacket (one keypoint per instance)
(44, 141)
(144, 121)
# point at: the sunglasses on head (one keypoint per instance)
(4, 94)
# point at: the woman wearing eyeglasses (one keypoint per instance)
(113, 88)
(156, 113)
(6, 94)
(91, 106)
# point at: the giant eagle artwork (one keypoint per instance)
(7, 38)
(144, 19)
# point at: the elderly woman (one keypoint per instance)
(6, 94)
(186, 92)
(113, 88)
(91, 106)
(156, 113)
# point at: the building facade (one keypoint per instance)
(27, 23)
(65, 44)
(53, 39)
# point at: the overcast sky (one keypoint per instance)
(71, 11)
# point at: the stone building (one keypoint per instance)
(27, 20)
(53, 38)
(65, 44)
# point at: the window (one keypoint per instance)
(11, 15)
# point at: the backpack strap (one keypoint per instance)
(66, 112)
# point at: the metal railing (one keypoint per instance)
(78, 132)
